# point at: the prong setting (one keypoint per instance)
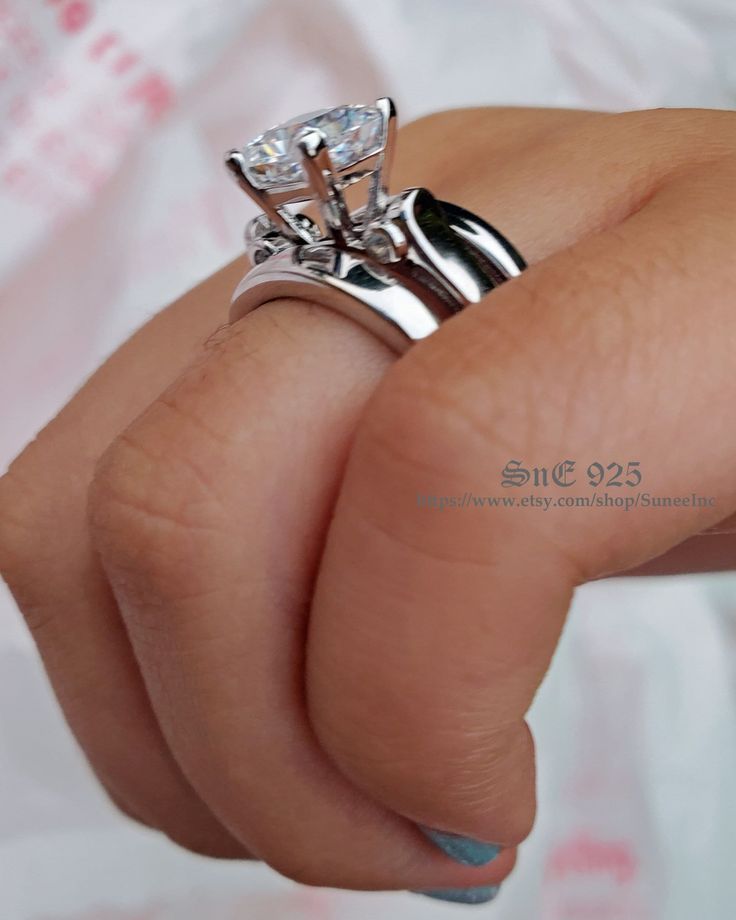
(316, 158)
(320, 171)
(235, 163)
(399, 265)
(379, 191)
(353, 134)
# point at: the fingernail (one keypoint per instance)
(463, 895)
(464, 850)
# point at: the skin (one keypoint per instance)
(264, 646)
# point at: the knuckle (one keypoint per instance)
(149, 509)
(23, 507)
(35, 518)
(18, 527)
(411, 417)
(31, 543)
(448, 401)
(463, 402)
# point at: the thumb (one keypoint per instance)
(432, 630)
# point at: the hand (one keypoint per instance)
(261, 641)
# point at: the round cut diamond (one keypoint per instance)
(352, 133)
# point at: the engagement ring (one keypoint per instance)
(398, 264)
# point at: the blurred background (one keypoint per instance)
(114, 115)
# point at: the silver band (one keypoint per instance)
(398, 265)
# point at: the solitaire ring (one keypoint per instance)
(397, 264)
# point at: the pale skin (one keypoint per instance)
(264, 646)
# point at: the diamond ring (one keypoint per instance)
(398, 264)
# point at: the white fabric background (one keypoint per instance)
(113, 118)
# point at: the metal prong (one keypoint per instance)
(318, 166)
(379, 192)
(235, 163)
(388, 109)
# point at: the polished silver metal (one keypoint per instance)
(399, 265)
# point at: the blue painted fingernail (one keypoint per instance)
(464, 850)
(463, 895)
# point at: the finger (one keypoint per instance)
(586, 171)
(714, 550)
(47, 560)
(61, 589)
(210, 532)
(576, 174)
(707, 552)
(430, 632)
(510, 119)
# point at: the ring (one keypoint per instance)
(399, 265)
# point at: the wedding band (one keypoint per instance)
(399, 265)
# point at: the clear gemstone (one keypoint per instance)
(352, 133)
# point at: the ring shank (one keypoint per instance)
(400, 303)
